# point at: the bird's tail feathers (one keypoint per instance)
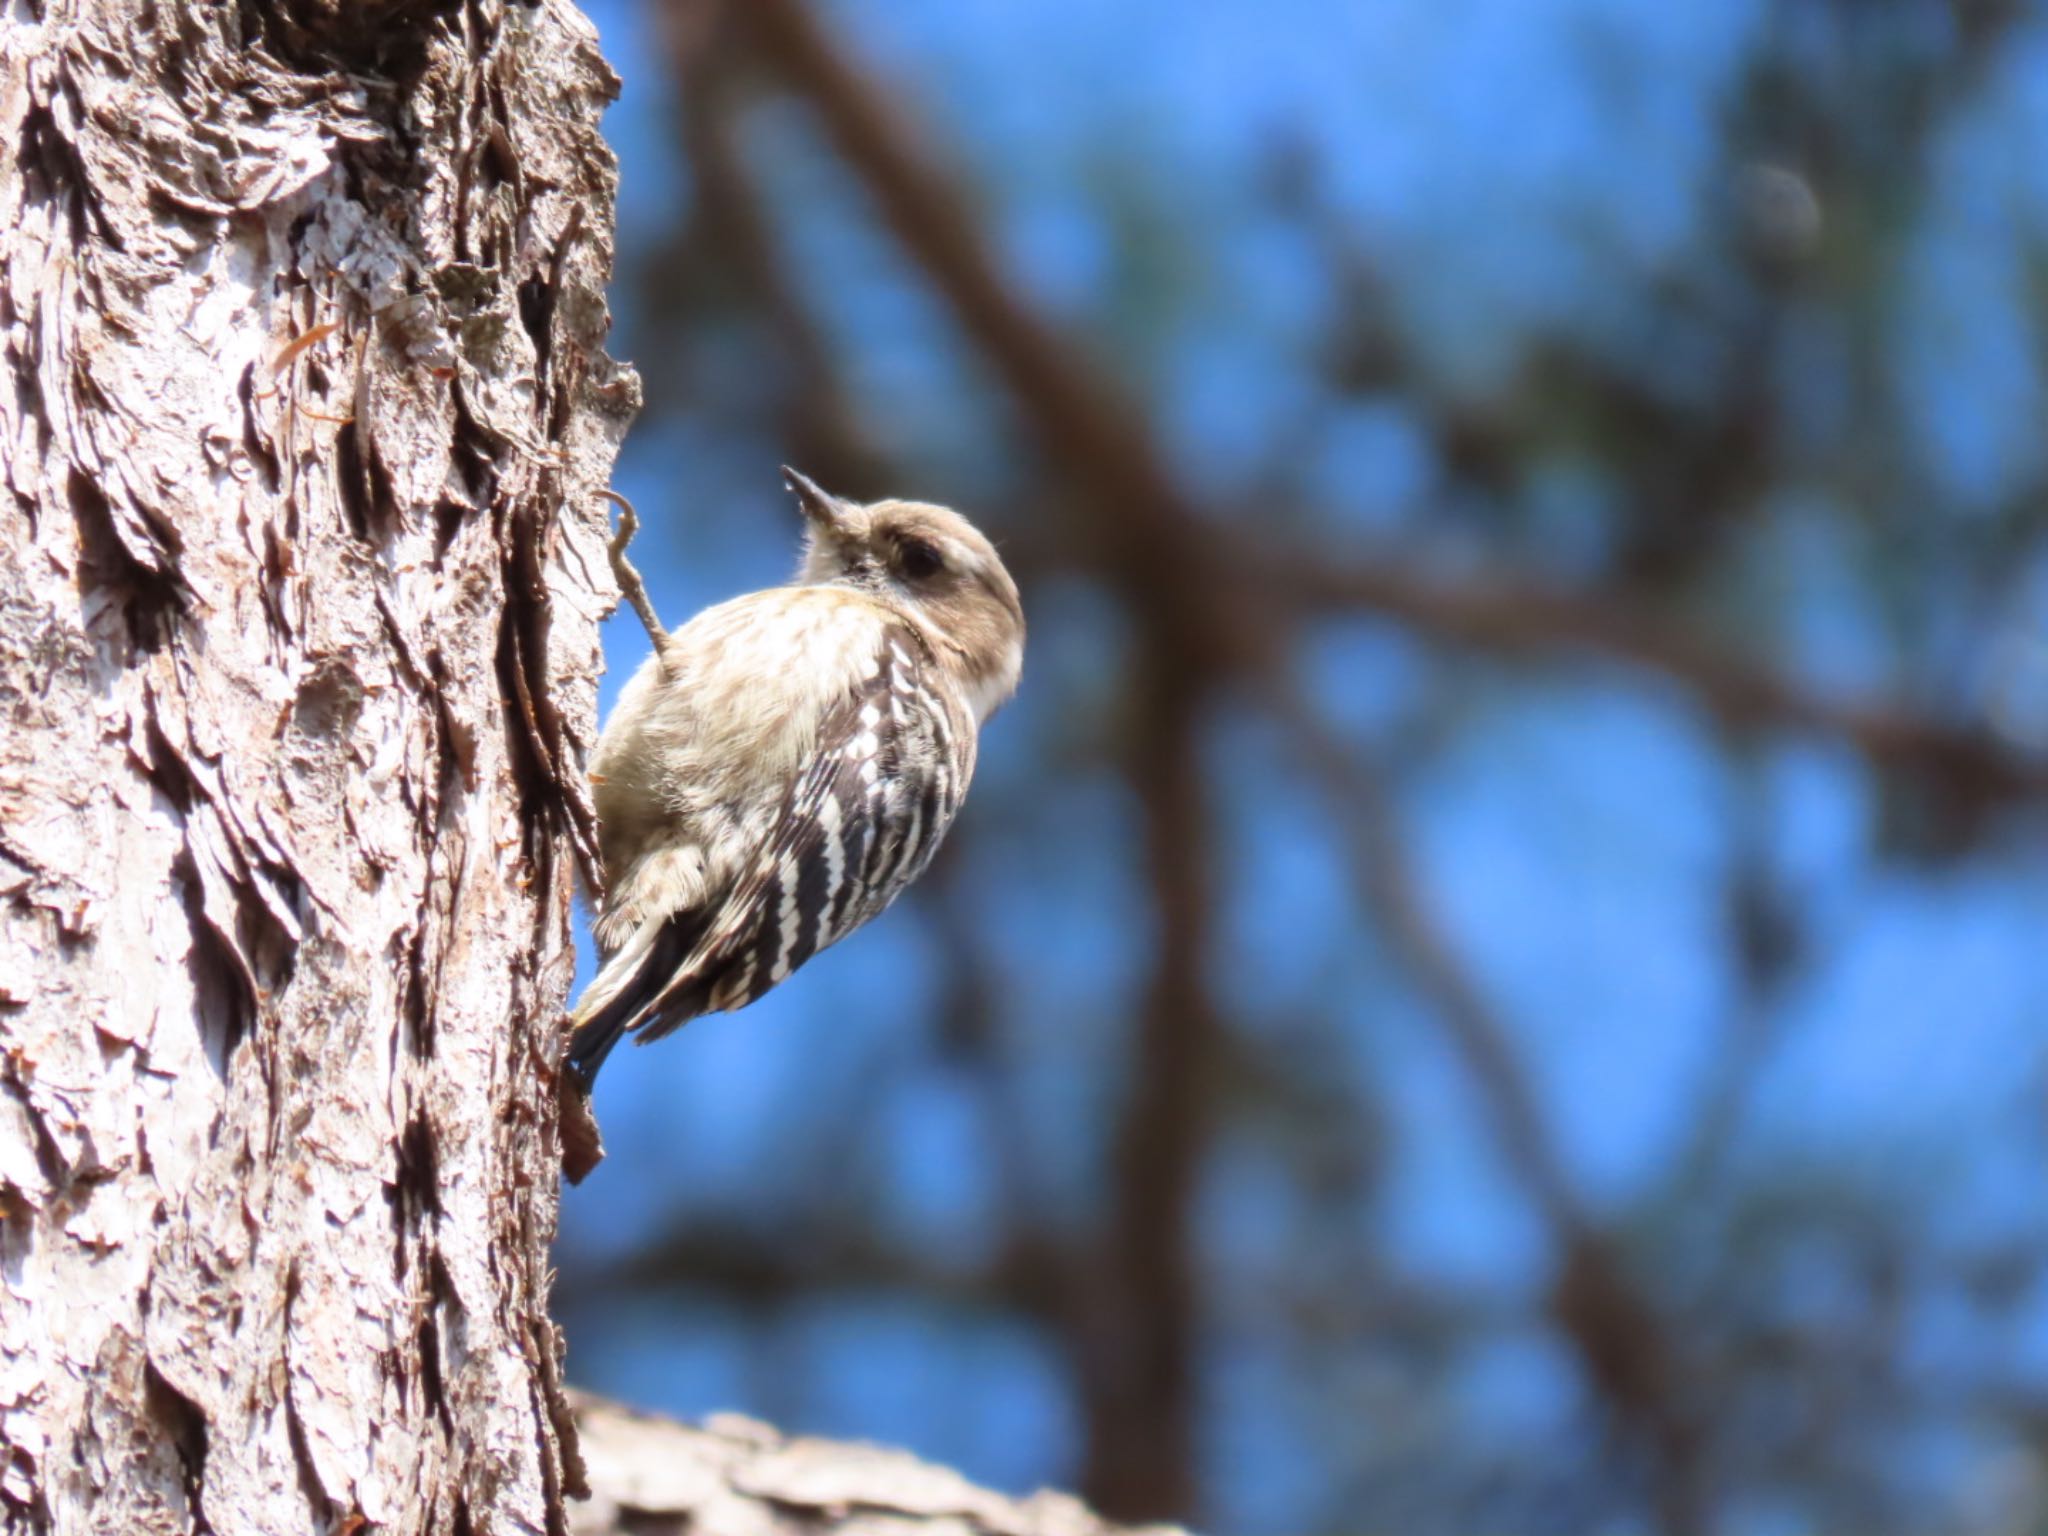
(645, 981)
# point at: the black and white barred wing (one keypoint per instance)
(891, 768)
(859, 823)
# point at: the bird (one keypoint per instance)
(784, 765)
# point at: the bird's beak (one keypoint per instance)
(826, 512)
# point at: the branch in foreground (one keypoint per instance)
(738, 1477)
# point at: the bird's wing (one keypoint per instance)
(858, 823)
(861, 822)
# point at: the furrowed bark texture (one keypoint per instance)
(734, 1477)
(301, 562)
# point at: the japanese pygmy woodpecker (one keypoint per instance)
(787, 762)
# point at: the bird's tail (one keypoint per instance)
(592, 1041)
(641, 983)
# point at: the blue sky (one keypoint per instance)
(1511, 169)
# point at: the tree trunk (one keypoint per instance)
(301, 308)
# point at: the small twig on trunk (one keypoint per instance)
(631, 587)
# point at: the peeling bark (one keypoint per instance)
(735, 1477)
(305, 419)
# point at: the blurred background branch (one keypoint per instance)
(1488, 980)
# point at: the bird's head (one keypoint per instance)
(932, 564)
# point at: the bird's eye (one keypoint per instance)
(919, 559)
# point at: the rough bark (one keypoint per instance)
(301, 312)
(736, 1477)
